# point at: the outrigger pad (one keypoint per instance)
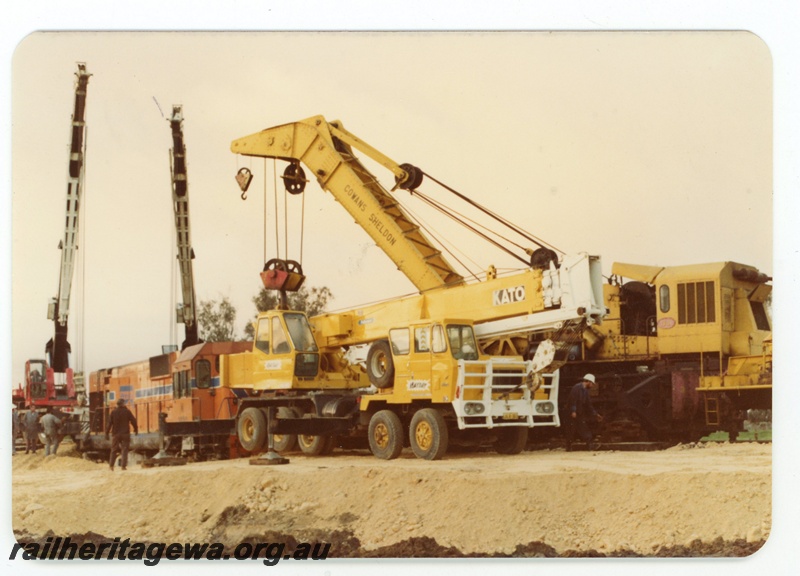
(271, 458)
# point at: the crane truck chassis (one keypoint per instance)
(441, 387)
(225, 399)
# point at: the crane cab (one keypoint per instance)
(284, 356)
(420, 360)
(45, 387)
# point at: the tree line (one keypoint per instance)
(216, 319)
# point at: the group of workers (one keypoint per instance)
(29, 424)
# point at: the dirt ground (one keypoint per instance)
(712, 499)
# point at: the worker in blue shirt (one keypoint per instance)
(580, 411)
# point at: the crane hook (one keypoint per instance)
(244, 177)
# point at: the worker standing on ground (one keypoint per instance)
(119, 423)
(580, 410)
(16, 426)
(31, 427)
(50, 424)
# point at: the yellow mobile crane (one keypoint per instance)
(423, 356)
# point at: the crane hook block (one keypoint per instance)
(244, 177)
(294, 178)
(281, 274)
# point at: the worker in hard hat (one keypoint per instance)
(580, 412)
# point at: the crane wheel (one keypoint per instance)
(385, 435)
(285, 442)
(380, 366)
(428, 434)
(315, 445)
(511, 440)
(251, 429)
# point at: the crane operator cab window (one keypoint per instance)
(36, 374)
(306, 361)
(300, 332)
(37, 371)
(280, 344)
(462, 342)
(262, 335)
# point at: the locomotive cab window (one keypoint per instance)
(202, 370)
(181, 385)
(663, 298)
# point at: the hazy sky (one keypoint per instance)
(652, 148)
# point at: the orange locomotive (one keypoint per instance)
(176, 399)
(177, 402)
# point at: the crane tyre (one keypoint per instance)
(251, 429)
(385, 435)
(380, 366)
(315, 445)
(285, 442)
(428, 434)
(511, 440)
